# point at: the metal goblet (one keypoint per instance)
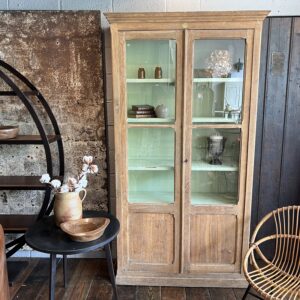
(216, 145)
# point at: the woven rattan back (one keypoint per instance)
(287, 239)
(287, 251)
(278, 277)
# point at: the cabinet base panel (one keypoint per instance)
(214, 280)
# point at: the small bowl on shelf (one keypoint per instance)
(8, 132)
(86, 229)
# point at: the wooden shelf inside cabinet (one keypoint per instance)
(150, 80)
(217, 80)
(29, 140)
(227, 166)
(214, 120)
(150, 165)
(22, 183)
(145, 197)
(213, 199)
(150, 120)
(17, 223)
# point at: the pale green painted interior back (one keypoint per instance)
(224, 184)
(149, 55)
(148, 149)
(210, 99)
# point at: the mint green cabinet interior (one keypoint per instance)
(212, 183)
(218, 81)
(148, 55)
(151, 165)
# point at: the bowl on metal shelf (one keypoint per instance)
(8, 132)
(86, 229)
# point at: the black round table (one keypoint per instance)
(46, 237)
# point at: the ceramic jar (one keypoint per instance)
(68, 206)
(158, 73)
(141, 73)
(161, 111)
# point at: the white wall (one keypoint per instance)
(277, 7)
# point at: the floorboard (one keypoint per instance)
(88, 280)
(222, 294)
(197, 294)
(148, 293)
(175, 293)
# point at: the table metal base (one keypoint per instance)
(53, 273)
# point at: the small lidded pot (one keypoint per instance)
(158, 73)
(141, 73)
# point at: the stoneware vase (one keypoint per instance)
(68, 206)
(162, 111)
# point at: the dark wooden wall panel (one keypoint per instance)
(277, 161)
(259, 125)
(274, 113)
(290, 176)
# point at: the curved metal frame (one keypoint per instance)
(46, 208)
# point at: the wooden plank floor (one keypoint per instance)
(88, 279)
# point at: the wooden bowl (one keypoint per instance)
(8, 132)
(86, 229)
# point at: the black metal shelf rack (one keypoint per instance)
(20, 223)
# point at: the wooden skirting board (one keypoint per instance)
(224, 280)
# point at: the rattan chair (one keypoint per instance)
(277, 278)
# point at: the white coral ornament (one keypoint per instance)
(220, 62)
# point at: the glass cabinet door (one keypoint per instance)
(215, 166)
(151, 114)
(218, 111)
(218, 77)
(151, 165)
(150, 77)
(217, 115)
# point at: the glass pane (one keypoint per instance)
(150, 71)
(218, 81)
(151, 165)
(215, 166)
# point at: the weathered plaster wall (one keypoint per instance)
(60, 52)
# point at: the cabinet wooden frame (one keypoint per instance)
(189, 211)
(180, 269)
(127, 210)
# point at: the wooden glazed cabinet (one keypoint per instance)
(184, 221)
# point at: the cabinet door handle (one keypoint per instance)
(185, 161)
